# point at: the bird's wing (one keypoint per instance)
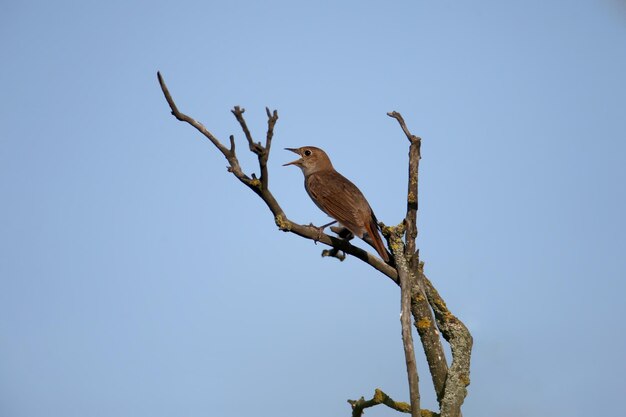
(336, 196)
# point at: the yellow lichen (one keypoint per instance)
(465, 379)
(419, 297)
(379, 396)
(403, 407)
(441, 304)
(255, 182)
(423, 323)
(282, 223)
(395, 246)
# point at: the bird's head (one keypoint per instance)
(311, 160)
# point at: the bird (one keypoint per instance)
(337, 196)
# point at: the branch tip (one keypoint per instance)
(359, 406)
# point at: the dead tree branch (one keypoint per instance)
(406, 257)
(359, 406)
(422, 312)
(412, 192)
(407, 278)
(430, 338)
(418, 295)
(450, 384)
(461, 341)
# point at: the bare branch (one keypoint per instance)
(430, 338)
(461, 341)
(412, 193)
(271, 122)
(184, 118)
(229, 154)
(232, 144)
(412, 138)
(238, 112)
(407, 277)
(272, 117)
(261, 151)
(422, 313)
(358, 406)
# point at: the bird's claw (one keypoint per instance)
(320, 232)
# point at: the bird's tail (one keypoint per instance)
(372, 231)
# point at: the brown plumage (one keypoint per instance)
(336, 196)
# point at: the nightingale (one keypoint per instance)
(336, 196)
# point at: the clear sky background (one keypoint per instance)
(139, 278)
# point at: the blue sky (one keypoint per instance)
(139, 278)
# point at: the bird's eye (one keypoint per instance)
(307, 153)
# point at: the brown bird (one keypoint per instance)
(336, 196)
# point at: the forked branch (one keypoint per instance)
(461, 341)
(451, 390)
(359, 406)
(407, 278)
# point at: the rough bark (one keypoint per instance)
(407, 280)
(422, 313)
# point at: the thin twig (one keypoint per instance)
(262, 152)
(411, 137)
(412, 192)
(229, 154)
(184, 118)
(272, 117)
(358, 406)
(238, 112)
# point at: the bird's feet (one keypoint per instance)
(320, 230)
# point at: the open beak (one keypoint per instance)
(297, 161)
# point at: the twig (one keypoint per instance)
(412, 193)
(358, 406)
(272, 117)
(228, 153)
(411, 137)
(238, 112)
(262, 152)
